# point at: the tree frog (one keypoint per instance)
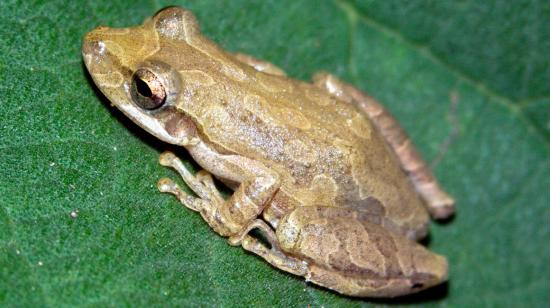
(322, 171)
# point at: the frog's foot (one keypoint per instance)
(272, 254)
(202, 184)
(438, 202)
(166, 185)
(206, 180)
(210, 202)
(226, 217)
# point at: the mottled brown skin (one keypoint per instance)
(321, 169)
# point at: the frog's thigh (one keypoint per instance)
(357, 257)
(260, 65)
(439, 203)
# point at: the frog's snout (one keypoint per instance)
(94, 55)
(93, 44)
(97, 51)
(91, 48)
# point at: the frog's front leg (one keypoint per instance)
(226, 217)
(334, 248)
(439, 203)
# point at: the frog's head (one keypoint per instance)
(137, 70)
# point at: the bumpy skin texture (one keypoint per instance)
(321, 169)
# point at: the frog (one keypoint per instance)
(325, 184)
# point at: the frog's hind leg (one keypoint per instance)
(272, 254)
(357, 257)
(334, 248)
(439, 203)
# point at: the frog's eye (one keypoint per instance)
(147, 90)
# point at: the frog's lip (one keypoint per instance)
(152, 125)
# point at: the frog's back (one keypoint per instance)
(325, 150)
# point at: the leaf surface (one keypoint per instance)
(469, 80)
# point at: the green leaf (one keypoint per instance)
(469, 80)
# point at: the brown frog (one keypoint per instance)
(320, 169)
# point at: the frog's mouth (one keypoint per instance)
(152, 124)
